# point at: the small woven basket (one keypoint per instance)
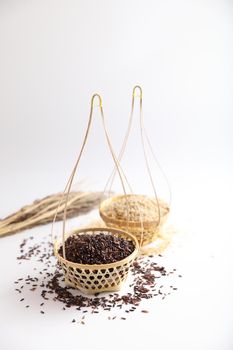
(91, 279)
(138, 214)
(146, 231)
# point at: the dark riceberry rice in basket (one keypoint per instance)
(98, 248)
(149, 280)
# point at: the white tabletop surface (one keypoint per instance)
(196, 316)
(54, 55)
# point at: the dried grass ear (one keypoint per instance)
(42, 211)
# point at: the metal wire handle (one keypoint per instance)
(137, 92)
(70, 181)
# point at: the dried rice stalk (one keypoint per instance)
(42, 211)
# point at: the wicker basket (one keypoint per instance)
(91, 279)
(146, 228)
(146, 231)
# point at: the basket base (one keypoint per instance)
(94, 291)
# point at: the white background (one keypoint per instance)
(53, 56)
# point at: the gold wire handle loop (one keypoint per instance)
(137, 87)
(66, 192)
(93, 100)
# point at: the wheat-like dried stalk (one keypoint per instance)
(42, 211)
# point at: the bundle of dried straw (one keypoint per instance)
(42, 211)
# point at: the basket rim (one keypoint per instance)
(133, 255)
(146, 224)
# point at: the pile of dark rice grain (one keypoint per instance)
(98, 248)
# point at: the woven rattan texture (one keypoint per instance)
(92, 279)
(145, 232)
